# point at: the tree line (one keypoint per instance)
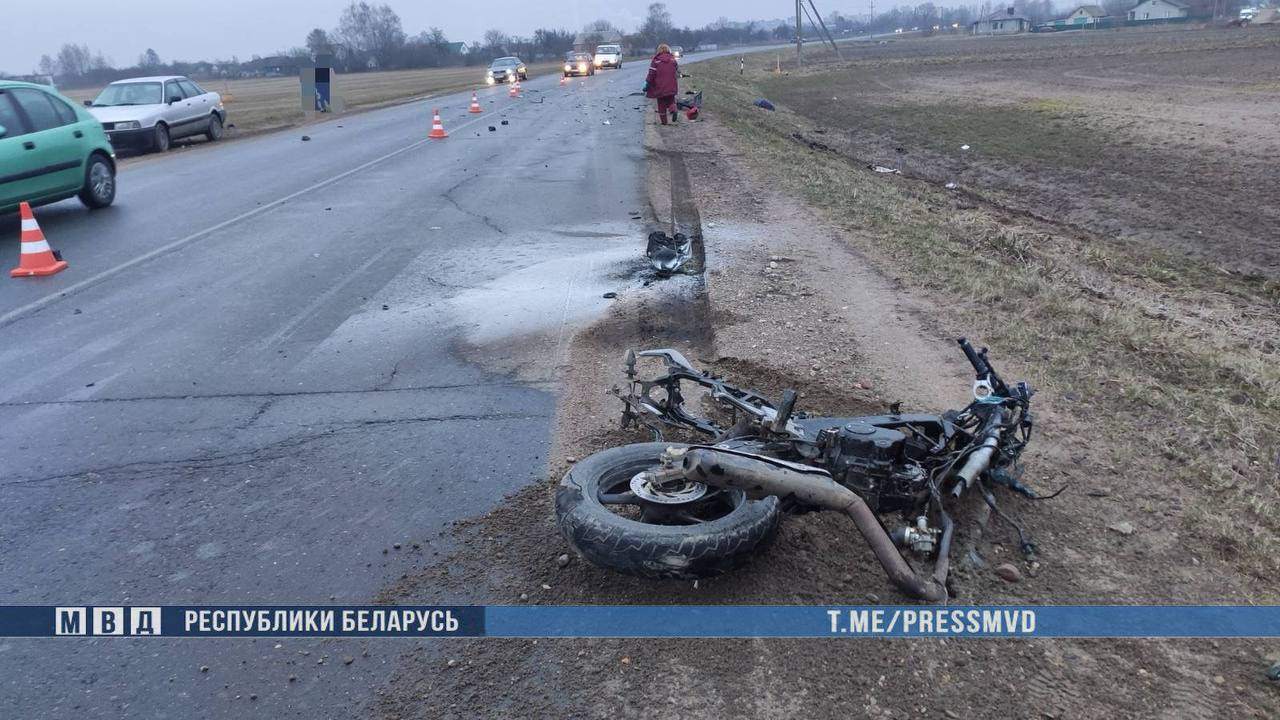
(372, 37)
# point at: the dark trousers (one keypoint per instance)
(667, 106)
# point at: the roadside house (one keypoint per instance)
(1158, 10)
(274, 66)
(1085, 15)
(1003, 22)
(458, 48)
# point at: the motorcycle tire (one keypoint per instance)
(609, 540)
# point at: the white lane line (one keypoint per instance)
(19, 312)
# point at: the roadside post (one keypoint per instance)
(319, 86)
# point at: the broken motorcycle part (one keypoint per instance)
(912, 465)
(668, 254)
(616, 519)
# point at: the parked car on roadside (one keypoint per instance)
(609, 56)
(51, 150)
(579, 63)
(506, 70)
(149, 113)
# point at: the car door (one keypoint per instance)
(177, 114)
(201, 104)
(17, 162)
(52, 144)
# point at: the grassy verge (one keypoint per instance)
(1171, 390)
(261, 104)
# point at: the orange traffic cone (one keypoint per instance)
(515, 89)
(475, 103)
(37, 258)
(437, 128)
(564, 80)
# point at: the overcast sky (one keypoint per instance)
(186, 30)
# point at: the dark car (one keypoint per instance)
(506, 70)
(579, 63)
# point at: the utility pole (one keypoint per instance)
(799, 33)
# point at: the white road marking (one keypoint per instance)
(18, 313)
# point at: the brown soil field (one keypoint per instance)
(1167, 138)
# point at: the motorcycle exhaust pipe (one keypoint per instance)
(761, 477)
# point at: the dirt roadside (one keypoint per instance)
(788, 301)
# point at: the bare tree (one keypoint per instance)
(374, 29)
(318, 42)
(74, 60)
(496, 40)
(657, 24)
(149, 59)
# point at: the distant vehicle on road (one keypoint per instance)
(149, 113)
(506, 70)
(609, 56)
(51, 150)
(677, 51)
(579, 63)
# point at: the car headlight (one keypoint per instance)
(128, 125)
(582, 67)
(490, 80)
(568, 67)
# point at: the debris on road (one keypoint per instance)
(886, 170)
(762, 103)
(668, 254)
(306, 138)
(1124, 528)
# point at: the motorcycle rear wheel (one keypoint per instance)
(607, 523)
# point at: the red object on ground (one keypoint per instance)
(475, 103)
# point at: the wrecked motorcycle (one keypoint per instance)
(667, 510)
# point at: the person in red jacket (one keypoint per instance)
(663, 82)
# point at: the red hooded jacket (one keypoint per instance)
(663, 80)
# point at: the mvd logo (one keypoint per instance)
(106, 621)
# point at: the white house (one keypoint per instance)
(1085, 15)
(1158, 10)
(1003, 22)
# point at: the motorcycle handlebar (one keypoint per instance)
(983, 367)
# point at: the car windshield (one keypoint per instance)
(503, 63)
(137, 93)
(577, 56)
(609, 49)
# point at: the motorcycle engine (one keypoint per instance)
(872, 461)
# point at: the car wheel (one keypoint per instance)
(160, 140)
(99, 183)
(214, 133)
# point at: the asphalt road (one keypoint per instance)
(273, 361)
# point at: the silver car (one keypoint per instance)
(149, 113)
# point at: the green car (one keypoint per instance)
(51, 149)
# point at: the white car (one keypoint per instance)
(609, 56)
(149, 113)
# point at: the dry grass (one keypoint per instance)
(262, 104)
(1172, 363)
